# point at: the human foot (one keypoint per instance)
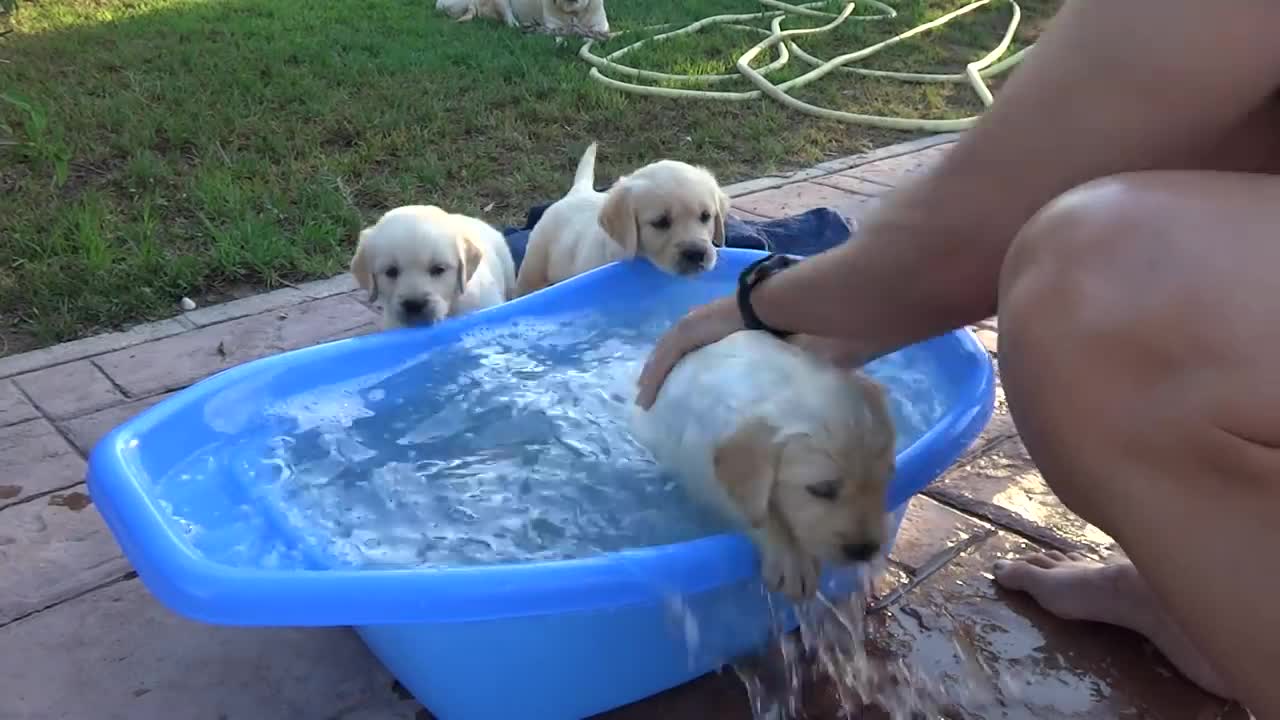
(1074, 587)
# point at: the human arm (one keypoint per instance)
(1111, 87)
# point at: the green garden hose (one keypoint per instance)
(975, 73)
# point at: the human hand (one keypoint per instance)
(702, 326)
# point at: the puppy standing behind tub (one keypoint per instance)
(426, 264)
(668, 211)
(795, 450)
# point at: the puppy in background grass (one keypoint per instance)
(583, 17)
(795, 450)
(670, 212)
(425, 264)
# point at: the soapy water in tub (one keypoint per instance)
(510, 445)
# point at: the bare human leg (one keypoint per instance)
(1138, 343)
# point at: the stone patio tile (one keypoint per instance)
(178, 361)
(335, 285)
(365, 329)
(117, 654)
(244, 307)
(51, 549)
(70, 390)
(853, 184)
(893, 171)
(14, 408)
(1004, 487)
(902, 148)
(767, 182)
(930, 528)
(89, 347)
(1052, 668)
(36, 459)
(798, 197)
(87, 430)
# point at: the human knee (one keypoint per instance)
(1071, 315)
(1081, 267)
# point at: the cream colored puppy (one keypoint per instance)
(793, 449)
(501, 10)
(425, 264)
(577, 17)
(560, 16)
(669, 212)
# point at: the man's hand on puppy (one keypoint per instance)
(715, 321)
(702, 326)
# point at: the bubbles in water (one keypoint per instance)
(510, 445)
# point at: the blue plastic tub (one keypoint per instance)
(549, 640)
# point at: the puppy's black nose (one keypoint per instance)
(861, 552)
(413, 306)
(693, 256)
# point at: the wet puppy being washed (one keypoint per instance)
(793, 449)
(425, 264)
(669, 212)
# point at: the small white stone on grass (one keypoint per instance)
(188, 304)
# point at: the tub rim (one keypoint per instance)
(201, 589)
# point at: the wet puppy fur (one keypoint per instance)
(806, 464)
(816, 496)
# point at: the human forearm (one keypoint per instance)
(914, 270)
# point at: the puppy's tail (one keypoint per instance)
(584, 178)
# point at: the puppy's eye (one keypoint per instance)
(705, 217)
(391, 272)
(825, 490)
(662, 223)
(437, 270)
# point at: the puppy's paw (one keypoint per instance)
(791, 573)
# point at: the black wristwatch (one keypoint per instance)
(753, 275)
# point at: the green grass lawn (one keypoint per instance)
(156, 149)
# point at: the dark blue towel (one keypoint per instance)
(808, 233)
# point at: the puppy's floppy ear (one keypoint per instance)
(361, 267)
(618, 217)
(469, 257)
(746, 466)
(722, 217)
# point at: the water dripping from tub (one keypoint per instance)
(830, 651)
